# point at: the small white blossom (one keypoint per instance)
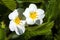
(16, 24)
(33, 14)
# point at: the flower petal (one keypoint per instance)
(40, 11)
(41, 14)
(16, 30)
(13, 14)
(22, 29)
(23, 22)
(11, 26)
(32, 7)
(19, 29)
(26, 12)
(30, 21)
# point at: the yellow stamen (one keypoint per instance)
(17, 20)
(33, 15)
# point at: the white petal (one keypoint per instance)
(40, 11)
(19, 29)
(30, 21)
(13, 14)
(26, 12)
(11, 26)
(41, 14)
(16, 30)
(22, 28)
(23, 22)
(32, 7)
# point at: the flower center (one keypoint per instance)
(17, 20)
(33, 15)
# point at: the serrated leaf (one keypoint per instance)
(11, 4)
(42, 26)
(44, 29)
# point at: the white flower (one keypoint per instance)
(33, 14)
(16, 24)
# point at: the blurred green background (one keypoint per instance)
(49, 30)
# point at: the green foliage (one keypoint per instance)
(2, 34)
(42, 29)
(11, 4)
(51, 10)
(39, 30)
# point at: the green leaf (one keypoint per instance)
(43, 29)
(51, 10)
(44, 26)
(11, 4)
